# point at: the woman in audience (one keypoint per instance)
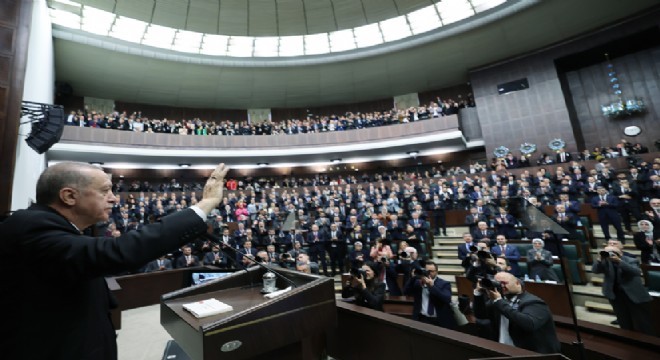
(647, 240)
(365, 287)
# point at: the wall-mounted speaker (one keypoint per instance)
(512, 86)
(47, 126)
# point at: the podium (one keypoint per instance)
(292, 325)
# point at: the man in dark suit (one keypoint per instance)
(70, 267)
(317, 241)
(159, 264)
(464, 249)
(482, 233)
(606, 206)
(437, 206)
(432, 298)
(622, 286)
(187, 259)
(215, 257)
(246, 255)
(509, 252)
(516, 317)
(563, 156)
(473, 219)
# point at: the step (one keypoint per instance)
(598, 307)
(597, 280)
(446, 254)
(449, 242)
(445, 248)
(443, 261)
(450, 270)
(590, 290)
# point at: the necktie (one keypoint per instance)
(503, 249)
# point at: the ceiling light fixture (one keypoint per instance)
(184, 165)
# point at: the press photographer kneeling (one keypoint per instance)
(365, 287)
(515, 317)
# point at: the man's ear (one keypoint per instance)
(68, 196)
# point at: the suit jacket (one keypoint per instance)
(182, 263)
(209, 259)
(317, 242)
(628, 276)
(478, 235)
(153, 265)
(463, 250)
(512, 254)
(70, 269)
(531, 325)
(439, 295)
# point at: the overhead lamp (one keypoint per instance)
(184, 165)
(413, 153)
(262, 164)
(336, 161)
(97, 163)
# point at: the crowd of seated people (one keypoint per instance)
(139, 122)
(623, 149)
(336, 216)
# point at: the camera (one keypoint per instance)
(606, 254)
(357, 273)
(490, 284)
(403, 255)
(383, 259)
(419, 270)
(473, 249)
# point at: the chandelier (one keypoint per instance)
(622, 106)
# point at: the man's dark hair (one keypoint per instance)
(60, 175)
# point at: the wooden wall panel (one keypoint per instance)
(15, 19)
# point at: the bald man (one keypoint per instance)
(60, 298)
(516, 317)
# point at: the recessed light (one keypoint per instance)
(184, 165)
(262, 164)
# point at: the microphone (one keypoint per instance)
(267, 268)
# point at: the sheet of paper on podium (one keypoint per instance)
(207, 307)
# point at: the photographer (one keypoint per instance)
(480, 262)
(515, 317)
(539, 262)
(622, 286)
(365, 287)
(432, 296)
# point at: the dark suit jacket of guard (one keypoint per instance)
(628, 276)
(59, 300)
(439, 295)
(531, 325)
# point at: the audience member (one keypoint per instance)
(623, 287)
(516, 317)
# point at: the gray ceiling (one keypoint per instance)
(129, 76)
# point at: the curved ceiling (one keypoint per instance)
(257, 17)
(132, 73)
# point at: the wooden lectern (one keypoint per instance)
(291, 326)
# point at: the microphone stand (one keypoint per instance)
(267, 268)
